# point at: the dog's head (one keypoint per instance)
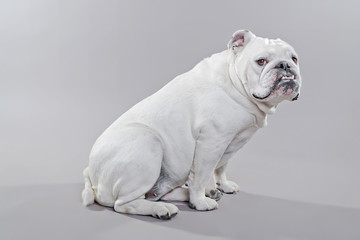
(269, 68)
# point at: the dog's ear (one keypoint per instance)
(239, 40)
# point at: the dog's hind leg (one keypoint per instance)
(126, 165)
(131, 171)
(182, 194)
(177, 194)
(141, 206)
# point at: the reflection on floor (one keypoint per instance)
(55, 212)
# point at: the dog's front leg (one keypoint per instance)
(225, 185)
(206, 157)
(211, 189)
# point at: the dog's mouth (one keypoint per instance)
(286, 82)
(287, 77)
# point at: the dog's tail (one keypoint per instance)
(88, 194)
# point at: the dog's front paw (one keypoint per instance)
(204, 204)
(228, 187)
(214, 194)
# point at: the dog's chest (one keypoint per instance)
(241, 138)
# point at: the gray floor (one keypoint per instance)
(55, 212)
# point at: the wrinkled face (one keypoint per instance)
(272, 70)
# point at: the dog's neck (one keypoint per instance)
(225, 76)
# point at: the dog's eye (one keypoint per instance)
(294, 59)
(261, 61)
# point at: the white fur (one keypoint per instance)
(191, 127)
(88, 194)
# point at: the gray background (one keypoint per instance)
(68, 69)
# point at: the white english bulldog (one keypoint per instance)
(175, 144)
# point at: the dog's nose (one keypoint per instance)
(283, 65)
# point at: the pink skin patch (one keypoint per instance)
(271, 80)
(277, 92)
(281, 91)
(289, 91)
